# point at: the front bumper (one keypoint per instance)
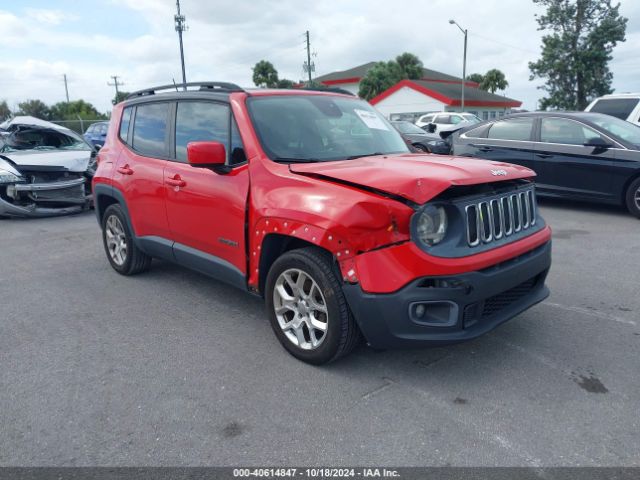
(454, 308)
(48, 199)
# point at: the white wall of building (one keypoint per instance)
(407, 100)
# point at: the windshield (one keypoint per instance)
(41, 139)
(408, 127)
(321, 128)
(620, 128)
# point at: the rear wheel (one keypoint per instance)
(123, 255)
(307, 309)
(633, 197)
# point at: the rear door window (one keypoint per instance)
(513, 129)
(150, 129)
(617, 107)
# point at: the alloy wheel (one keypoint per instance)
(116, 240)
(300, 309)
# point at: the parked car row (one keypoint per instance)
(584, 156)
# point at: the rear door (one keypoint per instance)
(567, 167)
(206, 210)
(506, 141)
(140, 167)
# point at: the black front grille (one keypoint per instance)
(493, 305)
(503, 216)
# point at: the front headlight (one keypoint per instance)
(429, 225)
(9, 177)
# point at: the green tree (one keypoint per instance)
(73, 110)
(34, 108)
(380, 77)
(494, 80)
(285, 83)
(120, 97)
(410, 65)
(475, 77)
(577, 51)
(5, 111)
(265, 75)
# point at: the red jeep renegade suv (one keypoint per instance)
(312, 200)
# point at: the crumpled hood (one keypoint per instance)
(417, 178)
(71, 160)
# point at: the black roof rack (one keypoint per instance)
(329, 89)
(223, 87)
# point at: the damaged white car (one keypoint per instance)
(45, 169)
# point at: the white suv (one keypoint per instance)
(625, 106)
(446, 121)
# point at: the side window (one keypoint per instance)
(564, 131)
(443, 119)
(201, 122)
(150, 128)
(237, 154)
(124, 124)
(456, 119)
(514, 129)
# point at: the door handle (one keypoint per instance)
(176, 181)
(126, 170)
(544, 155)
(485, 149)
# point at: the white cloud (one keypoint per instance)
(50, 17)
(226, 38)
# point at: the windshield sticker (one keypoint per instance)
(371, 120)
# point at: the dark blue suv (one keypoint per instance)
(96, 134)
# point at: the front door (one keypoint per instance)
(207, 210)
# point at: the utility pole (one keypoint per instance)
(464, 60)
(66, 88)
(308, 66)
(116, 84)
(181, 27)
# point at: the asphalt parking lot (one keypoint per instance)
(172, 368)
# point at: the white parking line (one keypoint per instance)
(592, 313)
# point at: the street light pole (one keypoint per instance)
(464, 60)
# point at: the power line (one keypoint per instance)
(502, 43)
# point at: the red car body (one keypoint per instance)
(358, 210)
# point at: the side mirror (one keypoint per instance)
(206, 154)
(431, 127)
(597, 142)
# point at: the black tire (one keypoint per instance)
(632, 198)
(134, 260)
(420, 147)
(342, 333)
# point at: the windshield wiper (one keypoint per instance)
(295, 160)
(353, 157)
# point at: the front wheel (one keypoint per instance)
(633, 197)
(421, 148)
(307, 309)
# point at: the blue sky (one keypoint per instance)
(135, 39)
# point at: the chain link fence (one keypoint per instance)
(80, 126)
